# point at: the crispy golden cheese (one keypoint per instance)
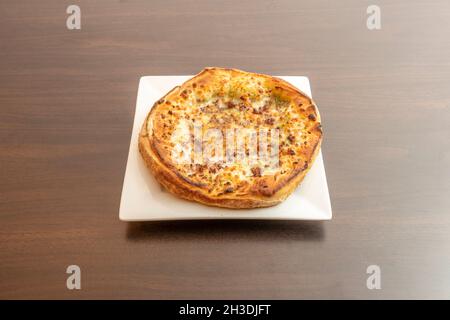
(232, 139)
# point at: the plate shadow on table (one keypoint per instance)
(286, 230)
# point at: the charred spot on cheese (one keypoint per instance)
(270, 121)
(229, 189)
(184, 94)
(256, 171)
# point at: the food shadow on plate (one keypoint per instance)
(233, 230)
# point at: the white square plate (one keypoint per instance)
(144, 200)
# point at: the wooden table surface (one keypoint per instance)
(67, 101)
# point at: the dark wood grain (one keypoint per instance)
(66, 106)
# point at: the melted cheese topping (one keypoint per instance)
(225, 113)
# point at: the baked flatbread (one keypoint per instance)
(232, 139)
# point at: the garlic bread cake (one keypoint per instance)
(231, 138)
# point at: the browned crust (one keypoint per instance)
(263, 194)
